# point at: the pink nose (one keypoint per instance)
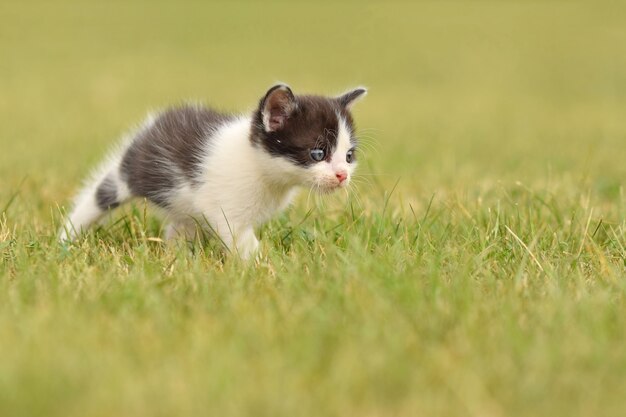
(341, 176)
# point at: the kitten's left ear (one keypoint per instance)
(276, 107)
(346, 100)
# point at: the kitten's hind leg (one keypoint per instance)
(96, 199)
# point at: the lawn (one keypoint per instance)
(477, 268)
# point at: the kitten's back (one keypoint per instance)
(168, 152)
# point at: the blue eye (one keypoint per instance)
(317, 154)
(350, 156)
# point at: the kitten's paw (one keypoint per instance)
(66, 235)
(247, 246)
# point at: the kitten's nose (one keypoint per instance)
(341, 176)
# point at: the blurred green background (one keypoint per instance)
(514, 108)
(485, 89)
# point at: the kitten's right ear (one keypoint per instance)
(276, 107)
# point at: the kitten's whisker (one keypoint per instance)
(369, 143)
(353, 193)
(367, 130)
(368, 146)
(308, 198)
(366, 137)
(366, 150)
(364, 177)
(363, 181)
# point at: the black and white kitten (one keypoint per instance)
(234, 172)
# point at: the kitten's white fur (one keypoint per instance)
(241, 187)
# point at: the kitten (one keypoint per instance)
(232, 172)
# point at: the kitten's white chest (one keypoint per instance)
(240, 182)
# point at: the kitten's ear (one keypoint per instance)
(346, 100)
(276, 107)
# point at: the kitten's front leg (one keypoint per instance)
(242, 242)
(239, 239)
(246, 244)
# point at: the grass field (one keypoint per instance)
(479, 270)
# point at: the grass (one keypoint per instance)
(478, 270)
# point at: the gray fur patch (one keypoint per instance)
(169, 152)
(106, 195)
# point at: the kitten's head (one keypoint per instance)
(312, 135)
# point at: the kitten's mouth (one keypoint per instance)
(326, 190)
(329, 188)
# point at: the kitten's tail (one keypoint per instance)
(104, 191)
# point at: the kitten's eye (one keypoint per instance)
(350, 156)
(317, 154)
